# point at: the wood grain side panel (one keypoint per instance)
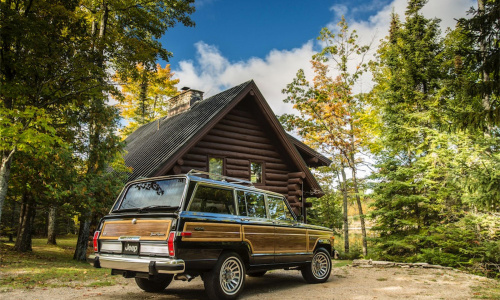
(260, 238)
(212, 232)
(112, 230)
(290, 240)
(314, 236)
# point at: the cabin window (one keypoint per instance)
(256, 172)
(213, 200)
(216, 167)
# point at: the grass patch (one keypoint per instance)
(487, 291)
(48, 266)
(341, 263)
(382, 279)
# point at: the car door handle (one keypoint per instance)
(245, 219)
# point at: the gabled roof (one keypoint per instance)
(150, 146)
(155, 147)
(315, 159)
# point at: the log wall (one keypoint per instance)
(242, 137)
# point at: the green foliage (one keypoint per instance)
(326, 210)
(144, 96)
(477, 69)
(432, 183)
(57, 132)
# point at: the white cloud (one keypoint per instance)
(212, 72)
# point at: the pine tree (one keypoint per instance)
(407, 91)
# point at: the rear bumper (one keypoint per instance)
(151, 265)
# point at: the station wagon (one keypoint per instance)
(222, 229)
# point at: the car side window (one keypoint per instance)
(251, 204)
(278, 209)
(213, 200)
(242, 204)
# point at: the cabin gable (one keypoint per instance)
(240, 138)
(238, 130)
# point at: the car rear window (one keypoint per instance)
(161, 193)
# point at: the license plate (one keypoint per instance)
(131, 248)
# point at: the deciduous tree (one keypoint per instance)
(145, 95)
(329, 112)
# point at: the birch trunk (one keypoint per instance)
(4, 178)
(51, 235)
(360, 207)
(344, 205)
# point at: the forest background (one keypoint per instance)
(429, 128)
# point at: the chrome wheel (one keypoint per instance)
(231, 274)
(318, 271)
(227, 279)
(320, 265)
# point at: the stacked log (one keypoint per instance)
(294, 193)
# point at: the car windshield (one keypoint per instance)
(153, 194)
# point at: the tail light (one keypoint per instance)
(96, 244)
(170, 242)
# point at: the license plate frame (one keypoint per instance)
(131, 248)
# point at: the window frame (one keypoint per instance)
(263, 170)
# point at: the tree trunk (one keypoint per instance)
(94, 139)
(51, 236)
(360, 207)
(4, 177)
(344, 205)
(83, 239)
(12, 222)
(483, 52)
(23, 240)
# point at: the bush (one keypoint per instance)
(471, 243)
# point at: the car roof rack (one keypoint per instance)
(223, 178)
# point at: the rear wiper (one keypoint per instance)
(155, 207)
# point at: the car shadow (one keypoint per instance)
(272, 282)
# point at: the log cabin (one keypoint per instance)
(234, 133)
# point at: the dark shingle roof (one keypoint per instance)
(151, 145)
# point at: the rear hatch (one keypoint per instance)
(135, 236)
(140, 222)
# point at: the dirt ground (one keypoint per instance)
(344, 283)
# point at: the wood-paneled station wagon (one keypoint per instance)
(183, 226)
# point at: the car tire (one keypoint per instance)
(257, 274)
(227, 278)
(154, 285)
(320, 267)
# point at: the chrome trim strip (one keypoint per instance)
(141, 263)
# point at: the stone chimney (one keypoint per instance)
(184, 101)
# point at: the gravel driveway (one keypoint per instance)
(345, 283)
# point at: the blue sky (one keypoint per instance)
(242, 29)
(268, 41)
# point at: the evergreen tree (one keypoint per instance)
(477, 95)
(407, 195)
